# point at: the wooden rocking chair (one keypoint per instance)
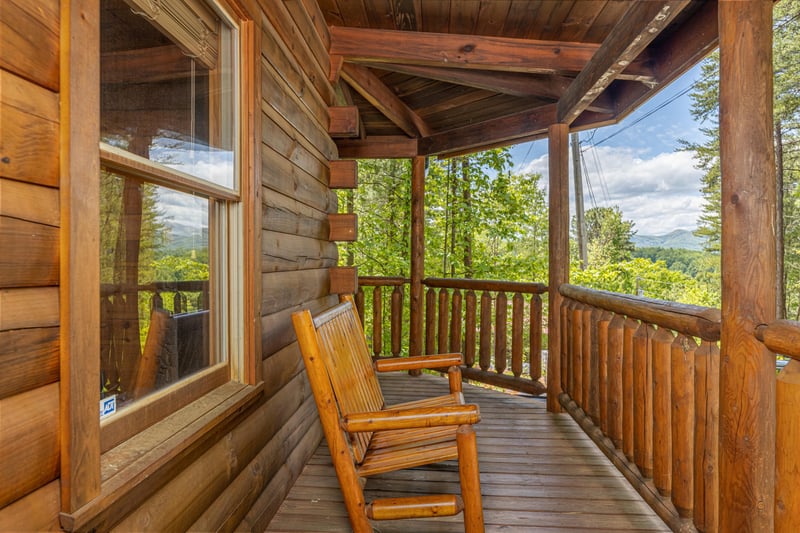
(366, 438)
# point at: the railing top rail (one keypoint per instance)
(486, 285)
(694, 320)
(781, 336)
(382, 281)
(165, 286)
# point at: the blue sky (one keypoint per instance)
(639, 168)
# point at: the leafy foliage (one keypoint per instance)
(481, 219)
(608, 236)
(705, 107)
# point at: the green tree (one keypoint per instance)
(645, 278)
(705, 105)
(608, 236)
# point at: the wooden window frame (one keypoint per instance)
(95, 493)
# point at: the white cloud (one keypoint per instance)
(659, 193)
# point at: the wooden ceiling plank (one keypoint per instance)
(556, 21)
(435, 16)
(404, 13)
(499, 130)
(379, 95)
(640, 25)
(492, 16)
(580, 18)
(353, 13)
(464, 16)
(477, 52)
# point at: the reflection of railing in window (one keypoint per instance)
(152, 335)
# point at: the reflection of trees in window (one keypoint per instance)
(150, 272)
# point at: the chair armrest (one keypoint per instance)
(454, 415)
(418, 362)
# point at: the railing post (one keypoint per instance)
(683, 415)
(455, 322)
(444, 298)
(517, 318)
(500, 333)
(397, 320)
(470, 326)
(643, 399)
(662, 412)
(615, 379)
(485, 356)
(706, 435)
(430, 321)
(377, 320)
(535, 358)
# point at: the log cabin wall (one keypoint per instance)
(239, 477)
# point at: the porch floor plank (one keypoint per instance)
(539, 473)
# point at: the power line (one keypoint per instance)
(661, 106)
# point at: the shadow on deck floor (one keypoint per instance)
(539, 472)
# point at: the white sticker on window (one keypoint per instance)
(108, 406)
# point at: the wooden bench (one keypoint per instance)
(366, 438)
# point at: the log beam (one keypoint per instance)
(642, 23)
(362, 45)
(509, 128)
(747, 370)
(379, 95)
(559, 255)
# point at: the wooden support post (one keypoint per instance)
(559, 255)
(417, 253)
(747, 368)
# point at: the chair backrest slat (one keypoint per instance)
(344, 350)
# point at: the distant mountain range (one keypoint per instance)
(679, 238)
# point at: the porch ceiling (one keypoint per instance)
(457, 76)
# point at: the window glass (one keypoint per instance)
(168, 194)
(154, 269)
(159, 102)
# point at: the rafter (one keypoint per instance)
(510, 83)
(508, 128)
(379, 95)
(694, 40)
(641, 24)
(361, 45)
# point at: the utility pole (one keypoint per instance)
(578, 181)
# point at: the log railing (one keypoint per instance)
(497, 325)
(642, 378)
(783, 337)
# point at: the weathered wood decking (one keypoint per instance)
(539, 472)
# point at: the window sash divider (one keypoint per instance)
(123, 161)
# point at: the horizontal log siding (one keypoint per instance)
(29, 269)
(243, 473)
(295, 254)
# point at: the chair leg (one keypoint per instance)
(469, 475)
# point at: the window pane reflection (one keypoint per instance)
(154, 262)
